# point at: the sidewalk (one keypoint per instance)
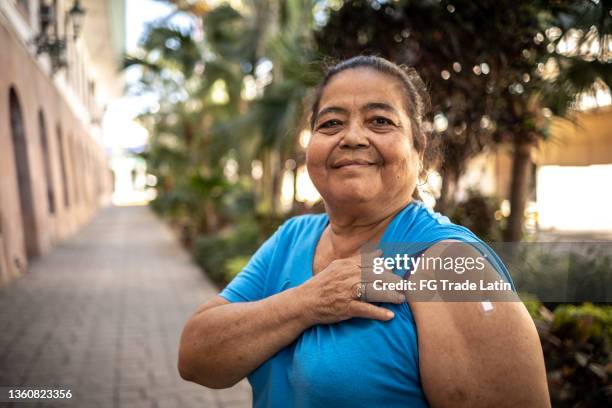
(102, 315)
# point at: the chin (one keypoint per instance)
(354, 197)
(355, 189)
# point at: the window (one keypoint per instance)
(24, 4)
(72, 161)
(44, 143)
(62, 158)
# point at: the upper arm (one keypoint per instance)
(476, 359)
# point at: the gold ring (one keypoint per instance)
(361, 291)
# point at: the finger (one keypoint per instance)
(385, 287)
(374, 295)
(386, 275)
(369, 311)
(375, 263)
(389, 277)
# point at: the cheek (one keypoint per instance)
(400, 157)
(318, 152)
(316, 159)
(401, 167)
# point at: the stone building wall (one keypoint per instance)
(53, 173)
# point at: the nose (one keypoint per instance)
(354, 138)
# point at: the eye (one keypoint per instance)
(330, 124)
(382, 121)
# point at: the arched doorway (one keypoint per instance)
(24, 180)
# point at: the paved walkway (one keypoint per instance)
(102, 315)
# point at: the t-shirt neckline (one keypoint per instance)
(316, 237)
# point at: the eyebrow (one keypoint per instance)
(367, 107)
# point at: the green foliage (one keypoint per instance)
(532, 304)
(493, 54)
(204, 120)
(235, 264)
(495, 69)
(477, 213)
(212, 252)
(576, 343)
(224, 254)
(585, 324)
(230, 34)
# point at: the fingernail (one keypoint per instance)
(389, 314)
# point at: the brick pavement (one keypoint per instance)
(102, 315)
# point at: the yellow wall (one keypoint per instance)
(586, 141)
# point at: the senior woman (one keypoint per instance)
(292, 321)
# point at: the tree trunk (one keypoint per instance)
(211, 219)
(519, 190)
(277, 178)
(447, 190)
(266, 183)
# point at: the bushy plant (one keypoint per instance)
(223, 255)
(576, 344)
(212, 251)
(235, 264)
(477, 213)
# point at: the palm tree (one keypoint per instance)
(194, 133)
(275, 117)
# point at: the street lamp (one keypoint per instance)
(76, 14)
(49, 41)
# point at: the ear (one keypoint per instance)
(421, 155)
(423, 150)
(420, 168)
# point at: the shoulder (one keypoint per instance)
(292, 232)
(418, 223)
(301, 225)
(417, 228)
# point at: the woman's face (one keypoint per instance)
(361, 149)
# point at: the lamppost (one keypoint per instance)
(49, 41)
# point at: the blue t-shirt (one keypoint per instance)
(354, 363)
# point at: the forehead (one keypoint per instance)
(358, 86)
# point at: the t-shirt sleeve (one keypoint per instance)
(485, 250)
(249, 284)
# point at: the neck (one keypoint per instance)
(349, 231)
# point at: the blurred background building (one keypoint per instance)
(570, 169)
(60, 66)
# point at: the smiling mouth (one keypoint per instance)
(352, 164)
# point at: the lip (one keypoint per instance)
(352, 163)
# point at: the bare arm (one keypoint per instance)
(224, 342)
(469, 358)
